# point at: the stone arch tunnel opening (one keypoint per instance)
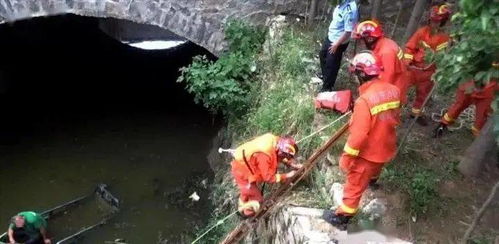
(79, 107)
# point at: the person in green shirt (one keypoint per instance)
(29, 228)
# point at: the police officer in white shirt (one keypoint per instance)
(345, 17)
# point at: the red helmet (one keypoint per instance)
(286, 147)
(440, 13)
(366, 62)
(368, 28)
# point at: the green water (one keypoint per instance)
(142, 157)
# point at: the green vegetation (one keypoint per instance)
(223, 85)
(282, 103)
(419, 180)
(476, 29)
(422, 191)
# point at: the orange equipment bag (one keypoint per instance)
(338, 100)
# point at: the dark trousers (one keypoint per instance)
(21, 236)
(330, 64)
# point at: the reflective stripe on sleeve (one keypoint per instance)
(408, 56)
(278, 178)
(400, 54)
(424, 44)
(351, 151)
(384, 106)
(442, 46)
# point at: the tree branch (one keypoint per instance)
(480, 213)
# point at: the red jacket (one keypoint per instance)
(394, 70)
(422, 40)
(260, 155)
(372, 127)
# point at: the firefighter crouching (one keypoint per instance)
(256, 162)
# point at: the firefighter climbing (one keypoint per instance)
(388, 53)
(372, 140)
(256, 162)
(432, 38)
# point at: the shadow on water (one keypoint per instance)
(79, 108)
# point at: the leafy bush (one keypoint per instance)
(422, 191)
(476, 32)
(223, 85)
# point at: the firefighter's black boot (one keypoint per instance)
(421, 120)
(337, 220)
(374, 185)
(440, 130)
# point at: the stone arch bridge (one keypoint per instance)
(200, 21)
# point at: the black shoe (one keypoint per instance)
(421, 120)
(338, 221)
(440, 130)
(322, 89)
(373, 185)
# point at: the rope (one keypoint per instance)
(220, 222)
(324, 127)
(466, 118)
(413, 122)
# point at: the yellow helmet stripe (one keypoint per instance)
(365, 23)
(442, 8)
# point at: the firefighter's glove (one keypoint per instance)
(440, 130)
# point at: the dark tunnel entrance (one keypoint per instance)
(80, 108)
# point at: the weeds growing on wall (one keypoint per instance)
(223, 85)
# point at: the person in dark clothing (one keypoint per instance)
(29, 228)
(345, 17)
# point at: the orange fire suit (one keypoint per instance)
(468, 94)
(372, 141)
(255, 162)
(415, 48)
(394, 70)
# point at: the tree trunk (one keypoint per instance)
(418, 10)
(395, 25)
(376, 10)
(312, 12)
(483, 150)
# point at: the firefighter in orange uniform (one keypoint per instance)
(430, 37)
(388, 52)
(256, 162)
(372, 140)
(470, 93)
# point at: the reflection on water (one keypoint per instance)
(100, 112)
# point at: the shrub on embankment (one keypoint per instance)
(224, 85)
